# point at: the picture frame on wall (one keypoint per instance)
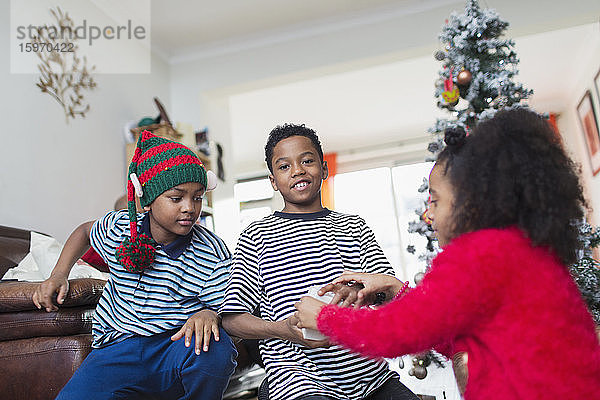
(597, 84)
(589, 125)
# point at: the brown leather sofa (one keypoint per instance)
(40, 351)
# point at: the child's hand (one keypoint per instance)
(202, 325)
(42, 297)
(344, 295)
(294, 334)
(372, 284)
(308, 311)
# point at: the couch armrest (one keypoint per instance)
(17, 296)
(67, 321)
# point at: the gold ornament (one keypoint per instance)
(464, 77)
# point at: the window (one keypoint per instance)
(256, 199)
(256, 189)
(387, 199)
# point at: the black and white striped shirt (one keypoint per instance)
(276, 261)
(187, 276)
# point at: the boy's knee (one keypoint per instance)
(220, 358)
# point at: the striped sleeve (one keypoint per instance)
(243, 288)
(372, 258)
(107, 228)
(212, 293)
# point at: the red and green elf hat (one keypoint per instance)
(158, 164)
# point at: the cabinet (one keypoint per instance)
(168, 132)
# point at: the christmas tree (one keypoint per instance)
(586, 271)
(475, 81)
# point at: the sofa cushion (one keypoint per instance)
(37, 369)
(17, 296)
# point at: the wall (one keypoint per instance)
(588, 63)
(202, 83)
(55, 175)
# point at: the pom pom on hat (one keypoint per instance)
(211, 181)
(157, 165)
(137, 254)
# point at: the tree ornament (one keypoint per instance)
(440, 55)
(420, 372)
(464, 77)
(419, 368)
(419, 277)
(451, 97)
(426, 218)
(451, 93)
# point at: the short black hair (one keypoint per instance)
(285, 131)
(512, 170)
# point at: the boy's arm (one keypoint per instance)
(75, 246)
(248, 326)
(243, 294)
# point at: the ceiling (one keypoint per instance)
(181, 27)
(184, 27)
(377, 104)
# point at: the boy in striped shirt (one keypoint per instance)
(165, 284)
(280, 257)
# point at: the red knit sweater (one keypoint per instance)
(512, 307)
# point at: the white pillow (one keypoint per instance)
(45, 251)
(40, 261)
(27, 270)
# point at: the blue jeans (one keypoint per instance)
(153, 367)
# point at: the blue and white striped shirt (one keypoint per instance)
(187, 276)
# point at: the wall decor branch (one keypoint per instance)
(63, 74)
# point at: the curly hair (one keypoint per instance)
(285, 131)
(513, 170)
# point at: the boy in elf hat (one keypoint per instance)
(167, 276)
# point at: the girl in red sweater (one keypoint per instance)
(504, 203)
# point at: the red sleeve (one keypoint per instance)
(461, 288)
(93, 258)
